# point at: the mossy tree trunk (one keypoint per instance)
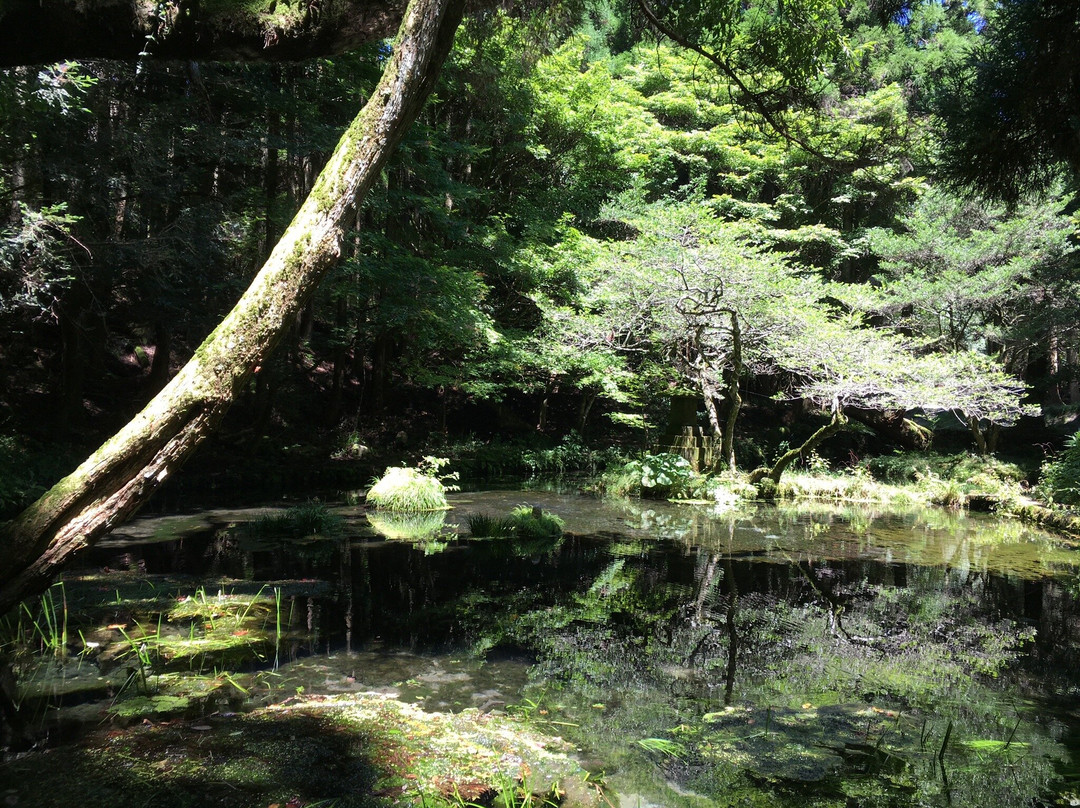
(109, 486)
(45, 31)
(734, 399)
(836, 423)
(984, 435)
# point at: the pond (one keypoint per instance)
(694, 655)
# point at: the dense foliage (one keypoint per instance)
(589, 217)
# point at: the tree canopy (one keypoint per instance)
(1010, 107)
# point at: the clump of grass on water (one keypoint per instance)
(524, 522)
(411, 489)
(309, 519)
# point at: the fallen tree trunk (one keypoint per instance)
(117, 479)
(46, 31)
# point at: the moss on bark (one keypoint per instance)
(111, 485)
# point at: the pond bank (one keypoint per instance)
(342, 751)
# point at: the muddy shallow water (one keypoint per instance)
(696, 655)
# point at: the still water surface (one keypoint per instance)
(808, 655)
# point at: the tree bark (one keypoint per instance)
(734, 400)
(111, 485)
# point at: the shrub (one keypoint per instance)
(662, 475)
(570, 455)
(659, 476)
(1059, 479)
(908, 467)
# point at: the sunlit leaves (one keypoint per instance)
(36, 258)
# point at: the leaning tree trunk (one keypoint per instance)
(836, 423)
(108, 487)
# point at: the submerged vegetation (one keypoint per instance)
(349, 752)
(805, 654)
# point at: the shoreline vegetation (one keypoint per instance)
(956, 481)
(982, 483)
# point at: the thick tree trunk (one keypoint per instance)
(45, 31)
(982, 445)
(108, 487)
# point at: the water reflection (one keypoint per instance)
(775, 656)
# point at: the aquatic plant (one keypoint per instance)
(139, 647)
(527, 522)
(663, 746)
(524, 522)
(412, 489)
(312, 518)
(486, 526)
(408, 525)
(50, 623)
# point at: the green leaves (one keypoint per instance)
(36, 257)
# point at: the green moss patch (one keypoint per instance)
(362, 750)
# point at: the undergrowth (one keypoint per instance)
(1059, 480)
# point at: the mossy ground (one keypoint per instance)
(363, 750)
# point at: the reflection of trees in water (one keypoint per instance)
(928, 646)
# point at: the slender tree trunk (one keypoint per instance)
(341, 362)
(588, 398)
(550, 389)
(111, 485)
(159, 368)
(727, 444)
(838, 422)
(1053, 369)
(1074, 369)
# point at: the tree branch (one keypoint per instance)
(46, 31)
(755, 100)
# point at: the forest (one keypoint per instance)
(703, 250)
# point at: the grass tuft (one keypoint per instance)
(406, 489)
